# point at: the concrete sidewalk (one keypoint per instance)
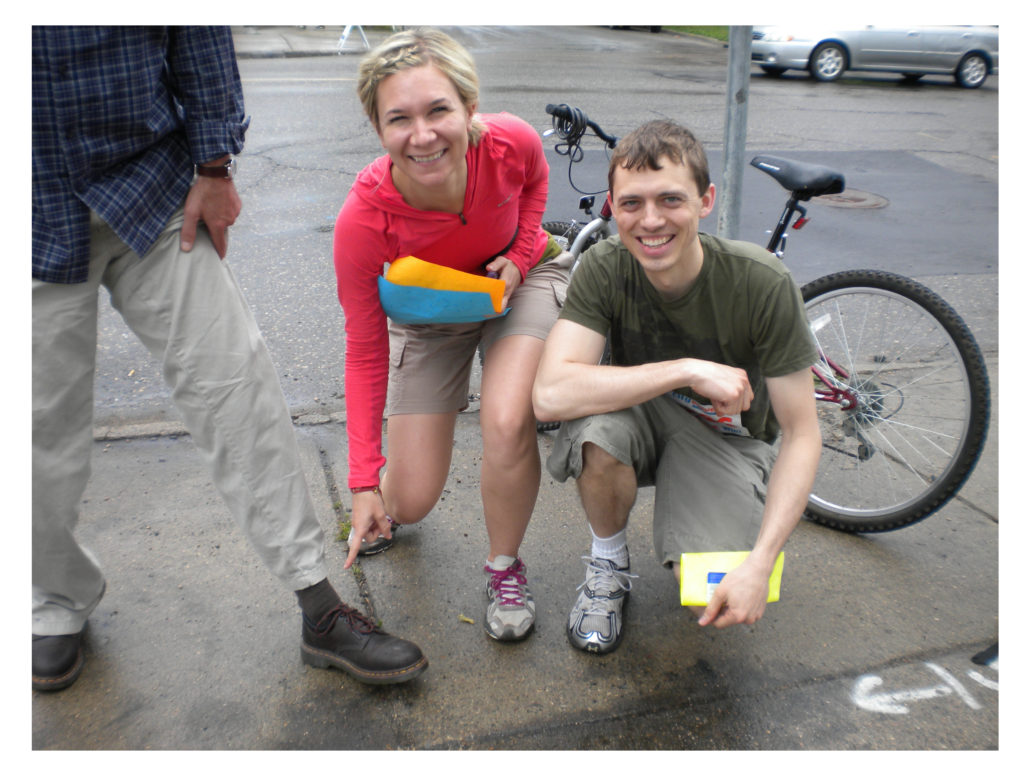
(196, 647)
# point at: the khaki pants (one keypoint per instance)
(189, 312)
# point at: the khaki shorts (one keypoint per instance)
(431, 363)
(709, 487)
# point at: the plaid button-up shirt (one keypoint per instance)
(119, 116)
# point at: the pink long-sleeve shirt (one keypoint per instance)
(506, 193)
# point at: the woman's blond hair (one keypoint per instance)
(416, 48)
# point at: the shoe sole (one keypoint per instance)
(54, 683)
(319, 658)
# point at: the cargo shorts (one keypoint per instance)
(431, 363)
(710, 487)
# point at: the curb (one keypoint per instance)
(109, 432)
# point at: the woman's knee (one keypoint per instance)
(407, 506)
(508, 427)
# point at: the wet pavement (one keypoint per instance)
(196, 647)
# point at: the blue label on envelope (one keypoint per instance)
(714, 577)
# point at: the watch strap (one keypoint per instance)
(225, 170)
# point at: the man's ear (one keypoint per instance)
(707, 202)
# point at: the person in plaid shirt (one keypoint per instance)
(134, 132)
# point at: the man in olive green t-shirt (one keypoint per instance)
(710, 361)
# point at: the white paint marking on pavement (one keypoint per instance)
(954, 683)
(891, 702)
(983, 681)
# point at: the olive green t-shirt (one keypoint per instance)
(744, 310)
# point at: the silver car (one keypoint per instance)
(969, 54)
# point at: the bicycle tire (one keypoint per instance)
(566, 232)
(923, 401)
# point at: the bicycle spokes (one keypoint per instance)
(895, 406)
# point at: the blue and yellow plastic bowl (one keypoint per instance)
(416, 291)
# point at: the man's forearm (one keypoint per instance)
(583, 389)
(574, 389)
(789, 486)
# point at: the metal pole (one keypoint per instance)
(738, 92)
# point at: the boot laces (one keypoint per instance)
(357, 621)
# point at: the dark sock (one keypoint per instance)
(317, 600)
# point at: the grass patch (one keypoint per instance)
(344, 526)
(718, 33)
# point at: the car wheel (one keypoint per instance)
(828, 62)
(972, 71)
(773, 70)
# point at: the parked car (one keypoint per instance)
(969, 54)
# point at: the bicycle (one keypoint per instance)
(901, 385)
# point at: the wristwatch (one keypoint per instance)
(226, 170)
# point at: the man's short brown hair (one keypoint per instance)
(644, 146)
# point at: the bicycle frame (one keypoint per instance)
(595, 229)
(777, 242)
(845, 397)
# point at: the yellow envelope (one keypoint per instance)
(700, 573)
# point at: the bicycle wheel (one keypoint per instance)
(920, 400)
(566, 232)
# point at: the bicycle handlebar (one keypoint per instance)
(570, 124)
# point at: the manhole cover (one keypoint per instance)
(853, 198)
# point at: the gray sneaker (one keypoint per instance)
(595, 622)
(381, 543)
(510, 608)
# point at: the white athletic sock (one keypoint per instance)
(501, 562)
(612, 548)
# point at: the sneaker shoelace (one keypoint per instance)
(604, 579)
(508, 584)
(357, 621)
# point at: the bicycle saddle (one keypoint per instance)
(804, 180)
